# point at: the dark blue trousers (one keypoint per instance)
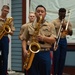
(4, 47)
(0, 62)
(59, 57)
(41, 64)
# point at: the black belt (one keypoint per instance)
(41, 42)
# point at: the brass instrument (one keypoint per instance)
(65, 32)
(5, 27)
(34, 46)
(69, 12)
(58, 36)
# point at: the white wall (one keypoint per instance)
(27, 10)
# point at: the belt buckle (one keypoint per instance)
(44, 49)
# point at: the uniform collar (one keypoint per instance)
(42, 24)
(59, 19)
(1, 19)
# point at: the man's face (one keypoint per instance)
(40, 12)
(32, 17)
(62, 15)
(5, 11)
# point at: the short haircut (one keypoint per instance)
(5, 6)
(62, 10)
(31, 12)
(40, 6)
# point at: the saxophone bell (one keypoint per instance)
(34, 47)
(5, 29)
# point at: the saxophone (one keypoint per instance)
(34, 47)
(5, 27)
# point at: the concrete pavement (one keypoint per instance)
(15, 73)
(20, 73)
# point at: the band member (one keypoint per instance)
(46, 37)
(4, 41)
(59, 55)
(31, 18)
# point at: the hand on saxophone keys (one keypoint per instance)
(40, 38)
